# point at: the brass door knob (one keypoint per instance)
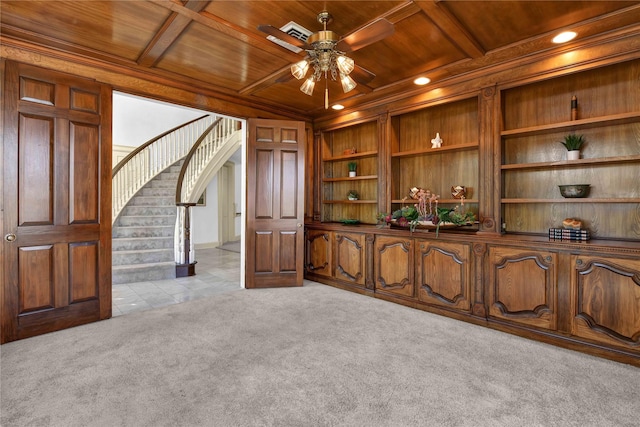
(10, 237)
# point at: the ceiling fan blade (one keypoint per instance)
(365, 36)
(279, 34)
(362, 75)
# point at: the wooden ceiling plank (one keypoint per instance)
(451, 28)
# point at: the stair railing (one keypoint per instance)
(153, 157)
(219, 139)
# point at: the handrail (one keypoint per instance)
(152, 158)
(135, 152)
(203, 151)
(188, 158)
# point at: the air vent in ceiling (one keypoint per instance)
(294, 30)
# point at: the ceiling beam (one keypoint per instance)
(168, 33)
(451, 28)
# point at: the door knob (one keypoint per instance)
(10, 237)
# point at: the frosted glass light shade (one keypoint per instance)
(307, 86)
(345, 64)
(347, 83)
(299, 69)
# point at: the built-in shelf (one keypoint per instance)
(427, 151)
(351, 156)
(440, 201)
(610, 120)
(347, 178)
(574, 200)
(573, 163)
(349, 202)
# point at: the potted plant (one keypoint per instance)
(573, 143)
(352, 168)
(352, 195)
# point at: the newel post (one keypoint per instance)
(184, 249)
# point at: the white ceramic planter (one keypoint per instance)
(352, 174)
(573, 155)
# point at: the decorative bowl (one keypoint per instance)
(574, 190)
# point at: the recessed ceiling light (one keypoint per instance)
(422, 81)
(337, 106)
(564, 37)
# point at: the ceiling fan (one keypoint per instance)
(326, 54)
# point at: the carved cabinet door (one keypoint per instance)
(523, 286)
(350, 257)
(393, 266)
(443, 274)
(319, 253)
(605, 300)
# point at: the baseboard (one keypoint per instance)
(209, 245)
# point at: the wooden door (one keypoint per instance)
(275, 204)
(56, 265)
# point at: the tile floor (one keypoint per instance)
(217, 271)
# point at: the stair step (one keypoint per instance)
(139, 243)
(141, 256)
(148, 210)
(146, 220)
(144, 231)
(121, 274)
(139, 200)
(158, 191)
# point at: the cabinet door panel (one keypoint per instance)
(318, 252)
(350, 257)
(523, 286)
(605, 302)
(394, 266)
(443, 274)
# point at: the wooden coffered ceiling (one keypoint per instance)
(216, 45)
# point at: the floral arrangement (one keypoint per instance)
(425, 209)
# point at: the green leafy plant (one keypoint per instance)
(573, 142)
(352, 194)
(352, 166)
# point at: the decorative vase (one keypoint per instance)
(573, 155)
(352, 174)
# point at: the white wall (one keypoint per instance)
(205, 218)
(136, 120)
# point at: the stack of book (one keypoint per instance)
(572, 235)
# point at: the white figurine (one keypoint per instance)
(437, 141)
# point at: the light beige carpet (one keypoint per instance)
(310, 356)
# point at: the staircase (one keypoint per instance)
(143, 234)
(149, 236)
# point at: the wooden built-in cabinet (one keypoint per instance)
(537, 116)
(359, 144)
(502, 143)
(414, 163)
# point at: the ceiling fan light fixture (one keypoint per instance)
(299, 69)
(307, 86)
(345, 64)
(348, 83)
